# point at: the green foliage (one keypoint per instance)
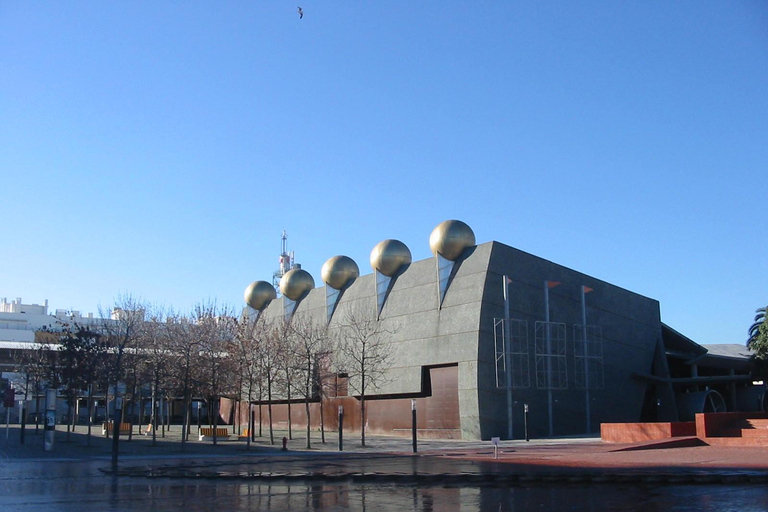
(81, 355)
(758, 335)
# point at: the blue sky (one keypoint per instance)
(160, 148)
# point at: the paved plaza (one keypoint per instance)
(556, 474)
(568, 458)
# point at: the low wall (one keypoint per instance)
(639, 432)
(723, 424)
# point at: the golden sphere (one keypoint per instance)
(296, 283)
(259, 294)
(389, 256)
(339, 271)
(450, 238)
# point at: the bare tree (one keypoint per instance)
(270, 355)
(35, 364)
(286, 362)
(121, 328)
(214, 329)
(324, 380)
(246, 351)
(184, 350)
(364, 354)
(309, 344)
(156, 357)
(82, 354)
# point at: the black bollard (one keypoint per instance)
(413, 424)
(526, 422)
(341, 428)
(23, 422)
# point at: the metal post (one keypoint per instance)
(526, 422)
(586, 359)
(50, 419)
(8, 402)
(23, 420)
(161, 414)
(22, 432)
(116, 421)
(413, 423)
(507, 356)
(341, 428)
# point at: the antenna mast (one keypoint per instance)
(286, 263)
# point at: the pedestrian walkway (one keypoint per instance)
(390, 459)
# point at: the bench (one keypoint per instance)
(208, 432)
(125, 428)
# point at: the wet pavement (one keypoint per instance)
(557, 474)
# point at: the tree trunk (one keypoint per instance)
(215, 417)
(116, 437)
(322, 420)
(133, 406)
(69, 417)
(362, 419)
(90, 413)
(306, 408)
(261, 396)
(106, 408)
(118, 418)
(269, 410)
(290, 425)
(153, 411)
(162, 416)
(37, 405)
(77, 412)
(250, 416)
(184, 421)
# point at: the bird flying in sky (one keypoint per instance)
(301, 13)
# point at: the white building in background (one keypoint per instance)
(19, 321)
(18, 324)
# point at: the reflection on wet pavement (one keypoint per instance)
(83, 487)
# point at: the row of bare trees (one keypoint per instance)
(143, 351)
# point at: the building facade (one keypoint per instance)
(477, 372)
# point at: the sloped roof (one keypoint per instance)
(727, 355)
(679, 343)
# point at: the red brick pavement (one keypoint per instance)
(602, 455)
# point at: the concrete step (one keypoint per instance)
(754, 432)
(757, 423)
(736, 441)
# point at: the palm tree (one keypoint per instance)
(754, 330)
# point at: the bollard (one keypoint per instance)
(285, 444)
(50, 419)
(526, 423)
(23, 420)
(341, 428)
(413, 423)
